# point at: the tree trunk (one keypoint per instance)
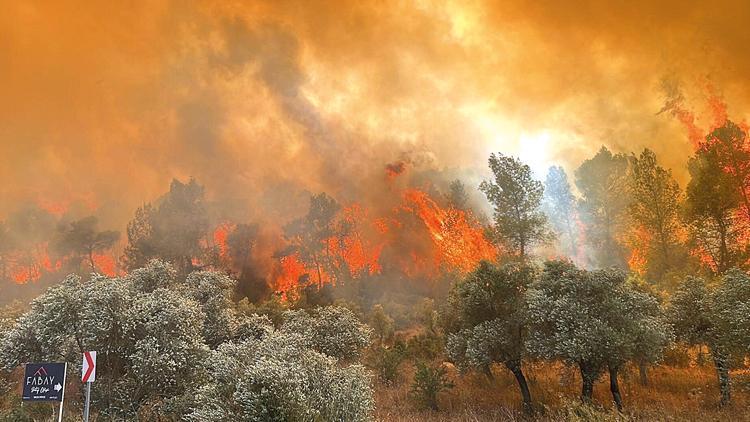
(91, 260)
(614, 387)
(587, 378)
(643, 371)
(487, 369)
(721, 360)
(515, 367)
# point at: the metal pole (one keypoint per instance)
(88, 397)
(62, 399)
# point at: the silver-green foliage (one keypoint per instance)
(718, 317)
(485, 316)
(331, 330)
(593, 318)
(279, 378)
(160, 340)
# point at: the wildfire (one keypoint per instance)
(221, 233)
(393, 170)
(734, 141)
(105, 264)
(639, 241)
(454, 241)
(30, 267)
(458, 243)
(292, 273)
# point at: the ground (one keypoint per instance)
(673, 394)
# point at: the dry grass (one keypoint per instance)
(674, 394)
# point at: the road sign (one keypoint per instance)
(44, 381)
(88, 370)
(88, 375)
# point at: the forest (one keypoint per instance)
(618, 277)
(326, 210)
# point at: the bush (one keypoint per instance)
(386, 362)
(425, 346)
(332, 330)
(278, 378)
(429, 381)
(382, 324)
(677, 355)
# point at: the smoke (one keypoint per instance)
(265, 102)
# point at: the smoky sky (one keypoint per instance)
(103, 103)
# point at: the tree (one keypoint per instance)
(7, 245)
(655, 208)
(485, 320)
(457, 196)
(560, 204)
(149, 357)
(81, 239)
(213, 292)
(241, 243)
(332, 330)
(595, 320)
(429, 381)
(516, 198)
(170, 230)
(728, 144)
(602, 181)
(309, 235)
(382, 324)
(717, 318)
(175, 348)
(713, 211)
(276, 377)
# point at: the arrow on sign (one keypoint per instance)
(89, 367)
(57, 387)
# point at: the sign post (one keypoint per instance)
(45, 382)
(88, 375)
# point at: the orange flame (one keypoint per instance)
(458, 243)
(639, 241)
(105, 264)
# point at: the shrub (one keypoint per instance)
(332, 330)
(382, 324)
(427, 346)
(386, 362)
(429, 381)
(278, 378)
(677, 355)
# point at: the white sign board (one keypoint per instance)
(88, 371)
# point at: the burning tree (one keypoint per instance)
(81, 240)
(309, 235)
(171, 230)
(457, 197)
(716, 220)
(516, 198)
(237, 247)
(602, 181)
(655, 210)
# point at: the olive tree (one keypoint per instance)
(147, 333)
(331, 330)
(595, 320)
(485, 319)
(277, 377)
(717, 317)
